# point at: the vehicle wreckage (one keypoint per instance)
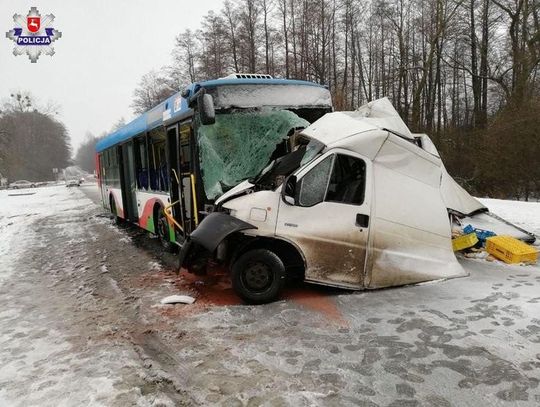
(357, 202)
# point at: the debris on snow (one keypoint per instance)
(22, 194)
(178, 299)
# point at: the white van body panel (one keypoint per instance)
(333, 245)
(238, 189)
(410, 229)
(454, 196)
(259, 209)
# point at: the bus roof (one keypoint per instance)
(176, 106)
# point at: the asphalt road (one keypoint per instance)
(92, 192)
(468, 341)
(81, 324)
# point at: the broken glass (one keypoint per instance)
(239, 145)
(314, 184)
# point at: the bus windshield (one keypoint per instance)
(240, 144)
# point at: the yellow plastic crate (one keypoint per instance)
(465, 241)
(511, 250)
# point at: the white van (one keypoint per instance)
(359, 203)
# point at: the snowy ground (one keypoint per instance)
(81, 324)
(523, 214)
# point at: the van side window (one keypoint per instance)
(313, 184)
(348, 180)
(338, 178)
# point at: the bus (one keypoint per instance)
(164, 170)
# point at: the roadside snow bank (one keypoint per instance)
(523, 214)
(19, 212)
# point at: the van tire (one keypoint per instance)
(258, 276)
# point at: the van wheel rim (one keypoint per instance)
(257, 277)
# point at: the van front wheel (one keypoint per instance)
(258, 276)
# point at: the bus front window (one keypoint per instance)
(239, 145)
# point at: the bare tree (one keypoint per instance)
(451, 67)
(32, 142)
(152, 89)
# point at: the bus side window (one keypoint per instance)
(114, 168)
(141, 163)
(185, 151)
(159, 180)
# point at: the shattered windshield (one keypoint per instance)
(273, 175)
(240, 145)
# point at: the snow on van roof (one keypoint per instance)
(336, 126)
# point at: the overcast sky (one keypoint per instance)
(106, 46)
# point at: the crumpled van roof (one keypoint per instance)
(366, 129)
(376, 115)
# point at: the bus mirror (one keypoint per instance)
(207, 113)
(186, 93)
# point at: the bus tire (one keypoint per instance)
(258, 276)
(117, 219)
(162, 229)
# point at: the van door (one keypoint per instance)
(329, 220)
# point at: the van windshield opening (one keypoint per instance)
(303, 151)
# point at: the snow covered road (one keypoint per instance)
(81, 324)
(60, 313)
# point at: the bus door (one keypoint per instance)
(128, 181)
(100, 166)
(174, 165)
(182, 188)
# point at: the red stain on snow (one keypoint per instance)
(323, 303)
(214, 290)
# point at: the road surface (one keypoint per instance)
(81, 324)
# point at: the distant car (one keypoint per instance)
(81, 181)
(73, 183)
(22, 184)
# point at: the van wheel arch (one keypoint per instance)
(290, 255)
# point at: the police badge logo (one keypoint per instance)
(33, 24)
(33, 35)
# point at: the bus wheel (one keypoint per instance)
(117, 219)
(163, 231)
(258, 276)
